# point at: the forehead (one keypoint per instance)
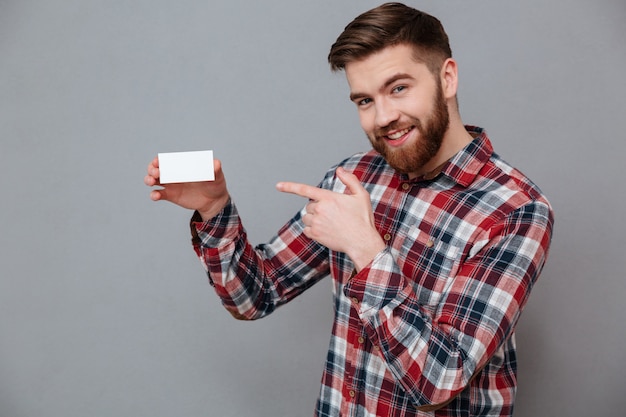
(375, 69)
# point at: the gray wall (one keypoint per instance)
(104, 310)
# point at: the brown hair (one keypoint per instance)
(388, 25)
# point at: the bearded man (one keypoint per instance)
(433, 242)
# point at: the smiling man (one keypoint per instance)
(433, 242)
(404, 110)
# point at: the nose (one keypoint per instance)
(386, 113)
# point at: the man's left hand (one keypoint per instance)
(341, 222)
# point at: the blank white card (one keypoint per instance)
(193, 166)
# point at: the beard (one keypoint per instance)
(412, 158)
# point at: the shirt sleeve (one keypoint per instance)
(434, 355)
(253, 281)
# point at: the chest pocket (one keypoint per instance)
(430, 264)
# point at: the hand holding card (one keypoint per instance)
(193, 180)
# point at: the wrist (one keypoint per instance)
(213, 209)
(365, 254)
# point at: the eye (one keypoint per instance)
(364, 102)
(399, 89)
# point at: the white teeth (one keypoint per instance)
(399, 134)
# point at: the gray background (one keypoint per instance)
(104, 310)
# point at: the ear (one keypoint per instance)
(449, 78)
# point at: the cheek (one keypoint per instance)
(416, 108)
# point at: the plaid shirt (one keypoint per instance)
(431, 320)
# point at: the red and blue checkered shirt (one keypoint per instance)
(429, 324)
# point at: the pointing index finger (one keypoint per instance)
(303, 190)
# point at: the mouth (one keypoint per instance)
(398, 134)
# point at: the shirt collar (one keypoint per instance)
(467, 163)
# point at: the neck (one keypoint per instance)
(455, 139)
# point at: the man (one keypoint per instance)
(432, 241)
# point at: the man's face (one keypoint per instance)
(401, 107)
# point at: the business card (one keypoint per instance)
(195, 166)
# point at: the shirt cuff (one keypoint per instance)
(210, 233)
(378, 286)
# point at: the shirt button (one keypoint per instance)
(430, 244)
(355, 300)
(352, 393)
(405, 186)
(361, 339)
(376, 347)
(387, 237)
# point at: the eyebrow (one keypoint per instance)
(399, 76)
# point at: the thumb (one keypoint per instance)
(350, 180)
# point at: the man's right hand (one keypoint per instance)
(208, 198)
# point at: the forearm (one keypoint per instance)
(253, 281)
(435, 337)
(421, 354)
